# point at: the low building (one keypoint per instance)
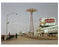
(47, 27)
(46, 31)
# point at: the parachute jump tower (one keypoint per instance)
(31, 18)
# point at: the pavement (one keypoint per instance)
(23, 40)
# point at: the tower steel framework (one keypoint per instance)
(31, 18)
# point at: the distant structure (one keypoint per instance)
(31, 18)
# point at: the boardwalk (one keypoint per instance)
(23, 40)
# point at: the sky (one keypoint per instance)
(21, 21)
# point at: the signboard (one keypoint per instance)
(47, 21)
(50, 20)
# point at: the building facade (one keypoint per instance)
(49, 28)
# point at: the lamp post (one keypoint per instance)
(7, 22)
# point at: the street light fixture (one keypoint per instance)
(7, 22)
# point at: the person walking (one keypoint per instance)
(9, 34)
(16, 35)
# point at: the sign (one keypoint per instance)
(47, 21)
(50, 20)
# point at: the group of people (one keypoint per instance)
(15, 35)
(3, 37)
